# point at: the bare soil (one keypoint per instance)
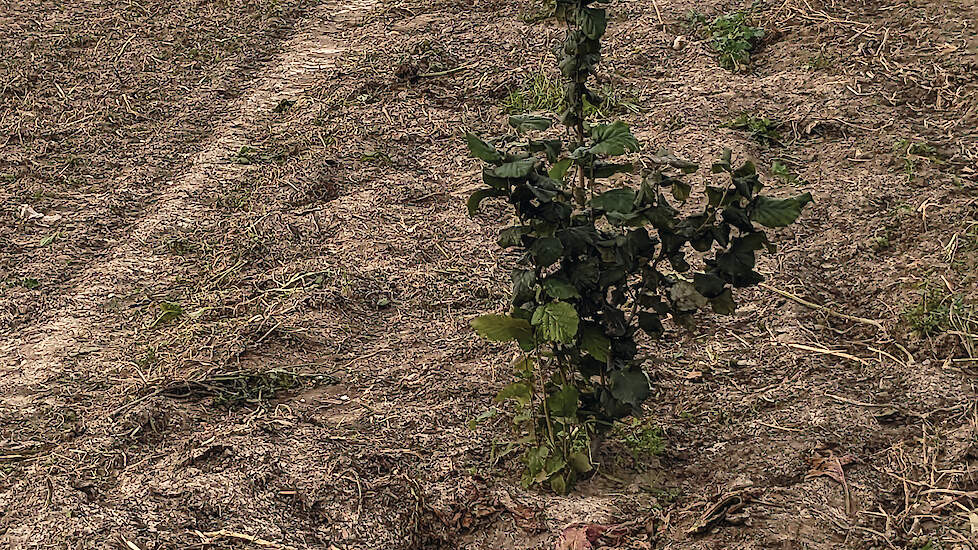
(236, 275)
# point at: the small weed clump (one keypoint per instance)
(938, 310)
(545, 93)
(911, 154)
(641, 439)
(780, 170)
(732, 37)
(821, 62)
(541, 93)
(762, 129)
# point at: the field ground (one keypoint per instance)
(236, 275)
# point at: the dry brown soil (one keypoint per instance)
(287, 178)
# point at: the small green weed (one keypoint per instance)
(251, 155)
(821, 61)
(169, 311)
(641, 439)
(762, 129)
(27, 282)
(237, 388)
(541, 93)
(611, 101)
(938, 310)
(733, 39)
(881, 242)
(911, 154)
(780, 170)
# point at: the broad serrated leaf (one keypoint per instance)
(481, 149)
(778, 212)
(516, 169)
(560, 288)
(616, 200)
(529, 122)
(556, 322)
(612, 139)
(476, 198)
(502, 328)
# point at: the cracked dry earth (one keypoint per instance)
(240, 316)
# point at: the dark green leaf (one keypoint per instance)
(592, 22)
(594, 341)
(563, 402)
(612, 139)
(724, 303)
(778, 212)
(608, 169)
(616, 200)
(651, 324)
(708, 284)
(551, 147)
(630, 386)
(529, 122)
(516, 169)
(512, 236)
(546, 251)
(560, 288)
(482, 150)
(476, 198)
(523, 283)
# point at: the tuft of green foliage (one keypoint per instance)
(545, 93)
(764, 130)
(641, 439)
(937, 311)
(541, 93)
(603, 257)
(732, 38)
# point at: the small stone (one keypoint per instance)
(679, 43)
